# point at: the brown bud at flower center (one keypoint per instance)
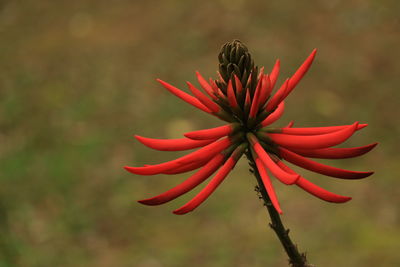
(235, 59)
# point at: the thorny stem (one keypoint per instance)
(296, 259)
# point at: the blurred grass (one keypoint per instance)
(77, 80)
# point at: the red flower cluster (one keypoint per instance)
(242, 96)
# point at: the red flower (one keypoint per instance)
(242, 97)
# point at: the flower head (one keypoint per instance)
(242, 97)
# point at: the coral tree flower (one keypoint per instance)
(243, 98)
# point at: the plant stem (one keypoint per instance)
(296, 259)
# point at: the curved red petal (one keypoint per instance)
(197, 155)
(318, 130)
(278, 97)
(298, 75)
(260, 73)
(256, 100)
(289, 85)
(274, 116)
(314, 189)
(265, 90)
(231, 95)
(313, 141)
(188, 184)
(275, 73)
(172, 144)
(188, 167)
(281, 175)
(204, 99)
(208, 190)
(213, 184)
(268, 185)
(290, 124)
(335, 153)
(213, 133)
(320, 192)
(321, 168)
(184, 96)
(247, 103)
(238, 85)
(206, 86)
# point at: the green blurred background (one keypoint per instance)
(77, 80)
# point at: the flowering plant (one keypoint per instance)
(242, 97)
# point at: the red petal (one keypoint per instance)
(221, 79)
(204, 99)
(321, 168)
(320, 192)
(256, 100)
(207, 87)
(216, 89)
(275, 73)
(274, 116)
(188, 184)
(268, 185)
(172, 144)
(231, 95)
(208, 190)
(313, 141)
(282, 176)
(290, 124)
(316, 190)
(198, 155)
(260, 73)
(187, 167)
(318, 130)
(298, 75)
(285, 89)
(335, 153)
(213, 133)
(211, 186)
(278, 97)
(265, 90)
(213, 85)
(238, 85)
(184, 96)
